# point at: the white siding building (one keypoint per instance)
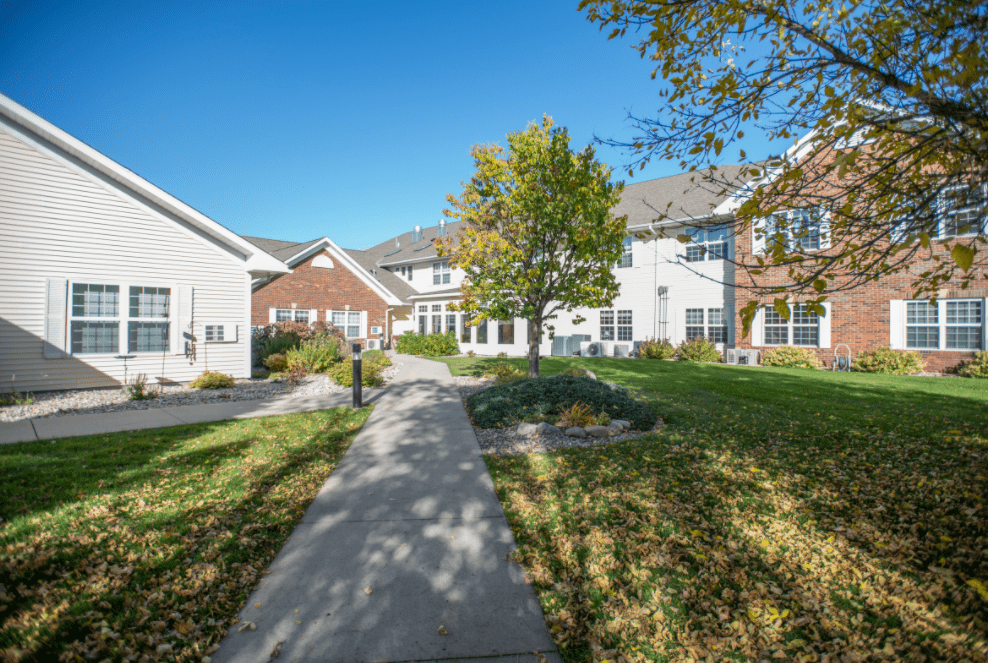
(104, 276)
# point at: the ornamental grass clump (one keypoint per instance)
(788, 356)
(140, 390)
(507, 404)
(652, 348)
(888, 361)
(698, 349)
(975, 368)
(579, 415)
(212, 380)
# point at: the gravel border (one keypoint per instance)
(506, 442)
(112, 399)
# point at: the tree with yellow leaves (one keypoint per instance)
(538, 236)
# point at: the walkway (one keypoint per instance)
(405, 537)
(49, 428)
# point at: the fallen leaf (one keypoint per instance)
(442, 630)
(276, 652)
(368, 590)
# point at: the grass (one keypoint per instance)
(784, 514)
(144, 545)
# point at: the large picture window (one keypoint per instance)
(951, 324)
(505, 332)
(97, 314)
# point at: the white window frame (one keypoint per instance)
(361, 324)
(225, 327)
(440, 273)
(943, 213)
(705, 325)
(625, 326)
(626, 260)
(763, 230)
(943, 325)
(702, 247)
(790, 326)
(123, 317)
(607, 326)
(293, 315)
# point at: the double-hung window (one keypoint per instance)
(625, 260)
(147, 329)
(346, 321)
(607, 325)
(707, 244)
(624, 326)
(622, 331)
(708, 323)
(95, 320)
(803, 327)
(450, 323)
(440, 272)
(946, 325)
(797, 230)
(289, 314)
(962, 211)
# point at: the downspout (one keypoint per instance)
(387, 327)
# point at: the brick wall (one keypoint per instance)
(319, 288)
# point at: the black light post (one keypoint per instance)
(358, 396)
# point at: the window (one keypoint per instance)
(706, 243)
(624, 330)
(505, 332)
(423, 308)
(482, 332)
(625, 260)
(101, 336)
(289, 314)
(464, 328)
(607, 325)
(437, 324)
(796, 230)
(147, 330)
(440, 272)
(715, 328)
(422, 323)
(803, 326)
(451, 322)
(436, 308)
(962, 211)
(214, 333)
(409, 272)
(347, 322)
(694, 323)
(948, 324)
(402, 270)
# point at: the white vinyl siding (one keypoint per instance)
(60, 223)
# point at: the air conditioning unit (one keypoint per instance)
(589, 349)
(634, 349)
(742, 357)
(373, 344)
(621, 350)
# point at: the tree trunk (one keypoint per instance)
(534, 334)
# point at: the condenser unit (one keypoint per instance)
(621, 350)
(591, 349)
(373, 344)
(742, 356)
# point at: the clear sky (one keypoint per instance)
(296, 120)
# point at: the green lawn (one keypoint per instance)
(144, 546)
(782, 515)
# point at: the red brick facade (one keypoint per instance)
(860, 317)
(308, 287)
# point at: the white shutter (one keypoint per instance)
(183, 319)
(824, 329)
(825, 229)
(363, 324)
(313, 315)
(757, 332)
(272, 315)
(56, 310)
(897, 324)
(758, 243)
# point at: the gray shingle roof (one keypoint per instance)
(387, 253)
(398, 286)
(280, 249)
(681, 196)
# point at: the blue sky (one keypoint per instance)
(296, 120)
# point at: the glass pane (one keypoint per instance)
(435, 279)
(423, 308)
(352, 331)
(694, 253)
(149, 302)
(624, 333)
(607, 333)
(694, 332)
(339, 318)
(353, 318)
(283, 315)
(964, 338)
(451, 322)
(446, 277)
(505, 332)
(717, 251)
(302, 315)
(625, 261)
(805, 335)
(717, 334)
(95, 337)
(772, 317)
(90, 300)
(802, 316)
(147, 336)
(624, 317)
(437, 307)
(715, 316)
(422, 329)
(963, 313)
(437, 324)
(717, 234)
(464, 329)
(694, 316)
(776, 335)
(918, 313)
(482, 332)
(923, 337)
(607, 317)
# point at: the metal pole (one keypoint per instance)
(358, 396)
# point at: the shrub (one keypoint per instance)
(317, 355)
(503, 372)
(699, 349)
(296, 374)
(603, 419)
(140, 390)
(370, 374)
(376, 357)
(578, 414)
(212, 380)
(502, 355)
(789, 356)
(280, 337)
(471, 353)
(276, 362)
(652, 348)
(975, 368)
(507, 404)
(430, 345)
(887, 360)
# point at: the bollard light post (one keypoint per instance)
(358, 396)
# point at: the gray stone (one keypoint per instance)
(547, 429)
(615, 428)
(624, 422)
(527, 429)
(598, 431)
(590, 374)
(576, 431)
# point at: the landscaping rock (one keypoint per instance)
(624, 423)
(615, 428)
(576, 431)
(527, 429)
(590, 374)
(598, 431)
(544, 428)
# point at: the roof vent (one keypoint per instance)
(416, 234)
(397, 245)
(442, 227)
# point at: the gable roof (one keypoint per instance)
(255, 259)
(280, 249)
(679, 197)
(387, 253)
(398, 286)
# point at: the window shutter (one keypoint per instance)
(272, 315)
(183, 319)
(897, 324)
(758, 243)
(56, 310)
(313, 315)
(363, 324)
(758, 329)
(825, 229)
(729, 320)
(824, 329)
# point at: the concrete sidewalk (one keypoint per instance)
(405, 537)
(49, 428)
